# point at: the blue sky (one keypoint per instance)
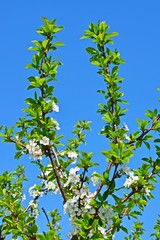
(138, 25)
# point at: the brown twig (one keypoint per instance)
(44, 211)
(101, 184)
(57, 176)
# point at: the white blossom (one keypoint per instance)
(74, 170)
(130, 180)
(125, 169)
(34, 193)
(147, 191)
(72, 155)
(73, 178)
(90, 234)
(106, 214)
(57, 127)
(103, 231)
(23, 197)
(49, 185)
(45, 141)
(94, 179)
(127, 137)
(73, 232)
(34, 206)
(55, 107)
(126, 127)
(34, 150)
(70, 205)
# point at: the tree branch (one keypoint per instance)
(57, 175)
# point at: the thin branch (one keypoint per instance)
(57, 176)
(101, 184)
(44, 211)
(128, 196)
(56, 157)
(146, 130)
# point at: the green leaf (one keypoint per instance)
(96, 63)
(91, 50)
(124, 229)
(55, 44)
(45, 43)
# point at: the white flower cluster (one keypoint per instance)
(72, 207)
(34, 192)
(45, 141)
(126, 127)
(49, 185)
(94, 179)
(73, 178)
(23, 197)
(81, 197)
(73, 156)
(147, 191)
(106, 214)
(102, 231)
(131, 178)
(127, 137)
(55, 107)
(34, 149)
(34, 206)
(73, 232)
(57, 127)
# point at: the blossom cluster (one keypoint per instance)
(34, 148)
(106, 214)
(33, 192)
(131, 177)
(79, 204)
(70, 154)
(50, 186)
(56, 124)
(55, 107)
(83, 198)
(130, 180)
(94, 179)
(77, 207)
(33, 206)
(73, 178)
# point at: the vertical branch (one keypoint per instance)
(57, 177)
(101, 184)
(44, 211)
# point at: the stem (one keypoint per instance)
(101, 184)
(82, 181)
(128, 196)
(56, 157)
(146, 131)
(44, 211)
(57, 177)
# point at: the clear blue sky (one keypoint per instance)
(138, 25)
